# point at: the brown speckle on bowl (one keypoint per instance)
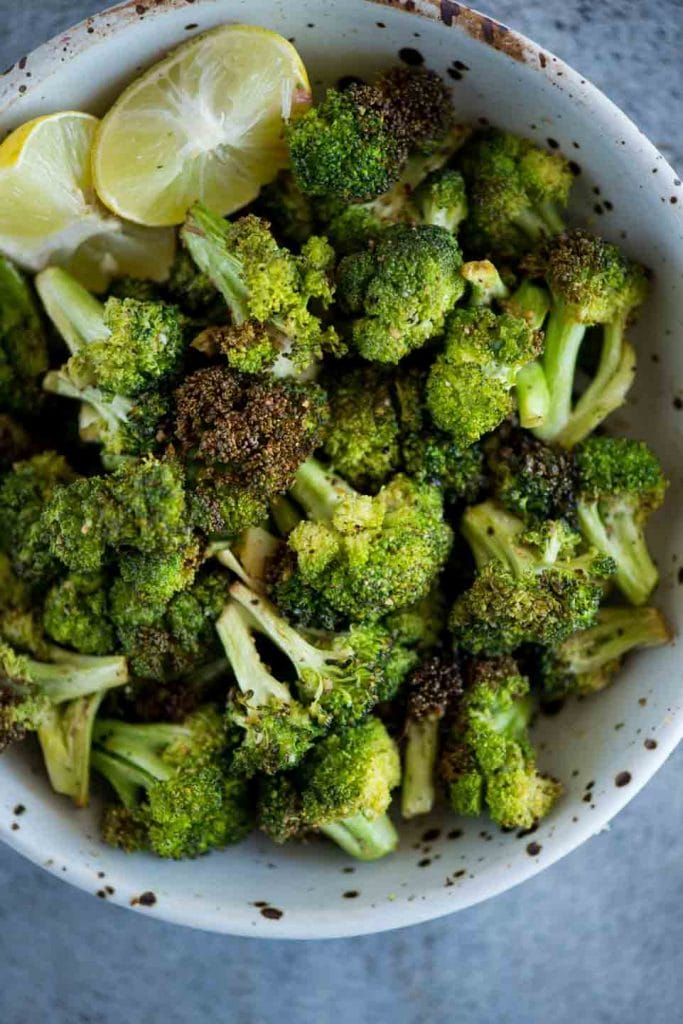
(145, 899)
(622, 779)
(18, 810)
(431, 835)
(533, 849)
(650, 744)
(455, 833)
(272, 913)
(409, 55)
(424, 863)
(351, 894)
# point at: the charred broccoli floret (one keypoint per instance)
(591, 283)
(76, 614)
(433, 689)
(368, 556)
(530, 587)
(268, 290)
(469, 390)
(534, 481)
(620, 483)
(515, 192)
(399, 293)
(23, 348)
(589, 660)
(488, 762)
(177, 795)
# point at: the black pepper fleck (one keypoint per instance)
(101, 893)
(533, 849)
(622, 779)
(455, 833)
(348, 870)
(460, 873)
(430, 835)
(147, 899)
(272, 913)
(14, 826)
(351, 894)
(19, 809)
(650, 744)
(409, 55)
(678, 403)
(553, 143)
(424, 863)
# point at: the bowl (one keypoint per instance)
(604, 748)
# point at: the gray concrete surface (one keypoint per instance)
(597, 938)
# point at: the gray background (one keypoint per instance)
(597, 938)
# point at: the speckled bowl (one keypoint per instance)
(605, 748)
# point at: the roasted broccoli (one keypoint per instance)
(470, 385)
(267, 289)
(177, 794)
(433, 691)
(76, 614)
(23, 348)
(515, 193)
(534, 481)
(591, 283)
(368, 556)
(530, 586)
(488, 762)
(620, 482)
(441, 199)
(399, 293)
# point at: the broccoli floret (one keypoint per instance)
(620, 483)
(469, 389)
(76, 614)
(58, 699)
(368, 556)
(588, 661)
(398, 294)
(340, 677)
(515, 193)
(23, 348)
(534, 481)
(192, 290)
(166, 643)
(180, 799)
(297, 599)
(363, 436)
(263, 282)
(529, 588)
(24, 493)
(276, 730)
(243, 438)
(488, 761)
(140, 507)
(441, 199)
(120, 348)
(591, 283)
(433, 689)
(346, 789)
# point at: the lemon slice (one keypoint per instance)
(50, 213)
(205, 123)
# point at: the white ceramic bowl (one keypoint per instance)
(616, 740)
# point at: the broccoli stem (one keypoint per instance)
(284, 515)
(563, 339)
(533, 397)
(312, 665)
(422, 747)
(551, 218)
(254, 681)
(113, 412)
(65, 737)
(530, 302)
(616, 632)
(69, 676)
(205, 236)
(598, 401)
(533, 224)
(616, 532)
(491, 533)
(139, 744)
(125, 779)
(318, 491)
(362, 838)
(77, 315)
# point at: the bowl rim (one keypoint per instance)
(338, 923)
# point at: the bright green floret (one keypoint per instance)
(589, 661)
(180, 799)
(24, 493)
(368, 555)
(488, 763)
(469, 390)
(263, 282)
(515, 194)
(119, 348)
(529, 587)
(23, 349)
(399, 293)
(591, 284)
(441, 199)
(620, 483)
(76, 614)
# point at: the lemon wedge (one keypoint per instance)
(50, 213)
(203, 124)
